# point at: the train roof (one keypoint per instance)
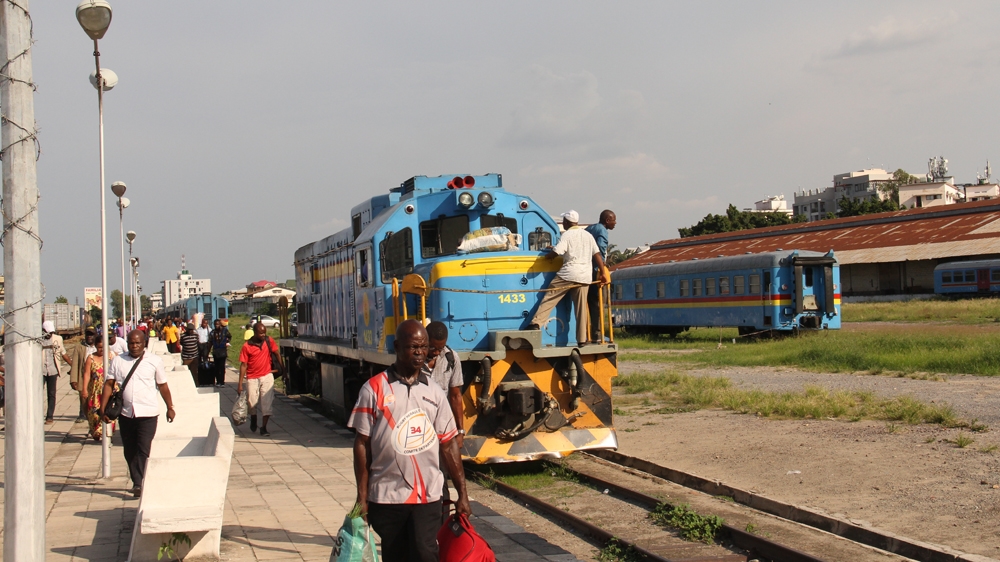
(971, 264)
(745, 261)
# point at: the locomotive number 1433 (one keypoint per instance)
(512, 298)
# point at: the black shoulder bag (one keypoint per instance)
(117, 400)
(276, 366)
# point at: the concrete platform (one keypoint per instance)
(287, 495)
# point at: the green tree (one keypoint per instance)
(874, 204)
(735, 219)
(616, 256)
(146, 304)
(899, 178)
(116, 304)
(61, 300)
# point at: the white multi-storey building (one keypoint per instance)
(184, 286)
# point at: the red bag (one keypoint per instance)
(458, 541)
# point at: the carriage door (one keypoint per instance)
(983, 280)
(766, 299)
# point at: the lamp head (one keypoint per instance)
(118, 188)
(94, 17)
(130, 235)
(109, 77)
(123, 203)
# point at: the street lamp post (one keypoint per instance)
(95, 18)
(130, 236)
(118, 188)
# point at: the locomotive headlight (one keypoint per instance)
(465, 199)
(409, 209)
(485, 199)
(523, 205)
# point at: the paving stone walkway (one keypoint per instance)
(287, 495)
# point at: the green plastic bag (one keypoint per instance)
(355, 542)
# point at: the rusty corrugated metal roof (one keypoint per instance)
(952, 231)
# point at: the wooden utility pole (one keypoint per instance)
(24, 465)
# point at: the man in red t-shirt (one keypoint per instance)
(255, 367)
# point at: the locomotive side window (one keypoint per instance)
(539, 240)
(710, 286)
(440, 237)
(946, 277)
(487, 221)
(364, 267)
(738, 286)
(397, 255)
(685, 289)
(661, 289)
(696, 287)
(638, 290)
(808, 274)
(723, 285)
(755, 284)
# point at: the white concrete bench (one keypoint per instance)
(194, 408)
(185, 492)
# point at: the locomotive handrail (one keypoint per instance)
(411, 285)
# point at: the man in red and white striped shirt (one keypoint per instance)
(402, 420)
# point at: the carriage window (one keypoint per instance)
(618, 291)
(638, 290)
(397, 254)
(723, 285)
(440, 237)
(970, 275)
(304, 310)
(995, 275)
(685, 290)
(661, 289)
(946, 277)
(696, 287)
(808, 273)
(539, 240)
(709, 286)
(314, 275)
(222, 313)
(488, 221)
(755, 284)
(363, 266)
(738, 285)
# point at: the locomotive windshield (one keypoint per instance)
(397, 254)
(441, 237)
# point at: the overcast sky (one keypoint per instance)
(247, 129)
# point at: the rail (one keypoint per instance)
(414, 284)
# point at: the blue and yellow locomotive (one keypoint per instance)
(464, 251)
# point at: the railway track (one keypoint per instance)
(609, 496)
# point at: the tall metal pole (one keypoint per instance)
(105, 440)
(121, 233)
(24, 453)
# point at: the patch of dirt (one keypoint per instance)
(904, 479)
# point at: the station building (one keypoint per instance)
(881, 254)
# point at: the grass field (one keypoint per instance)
(961, 311)
(905, 349)
(669, 392)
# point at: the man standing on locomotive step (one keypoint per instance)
(404, 423)
(579, 252)
(600, 233)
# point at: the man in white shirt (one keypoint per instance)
(579, 252)
(141, 406)
(116, 345)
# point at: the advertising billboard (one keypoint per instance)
(92, 297)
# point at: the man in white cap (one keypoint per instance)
(52, 352)
(580, 253)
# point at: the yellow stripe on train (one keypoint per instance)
(508, 265)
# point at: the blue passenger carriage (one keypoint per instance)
(975, 277)
(212, 307)
(464, 251)
(773, 291)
